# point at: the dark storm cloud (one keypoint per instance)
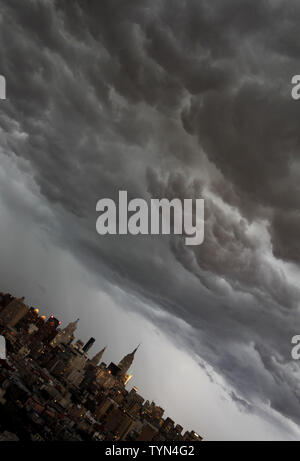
(173, 99)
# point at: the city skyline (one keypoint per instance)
(62, 326)
(50, 389)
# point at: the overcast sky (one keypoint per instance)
(162, 98)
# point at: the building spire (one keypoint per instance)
(127, 361)
(136, 349)
(96, 360)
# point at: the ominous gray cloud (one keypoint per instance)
(171, 99)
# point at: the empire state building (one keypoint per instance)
(127, 361)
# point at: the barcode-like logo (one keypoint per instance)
(2, 87)
(2, 348)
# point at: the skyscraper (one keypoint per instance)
(97, 358)
(127, 361)
(88, 345)
(14, 312)
(66, 335)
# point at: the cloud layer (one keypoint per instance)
(172, 99)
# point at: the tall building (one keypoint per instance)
(178, 429)
(119, 423)
(192, 437)
(97, 358)
(74, 371)
(31, 317)
(5, 299)
(78, 345)
(88, 345)
(153, 410)
(66, 335)
(147, 433)
(127, 361)
(13, 312)
(133, 403)
(168, 425)
(47, 330)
